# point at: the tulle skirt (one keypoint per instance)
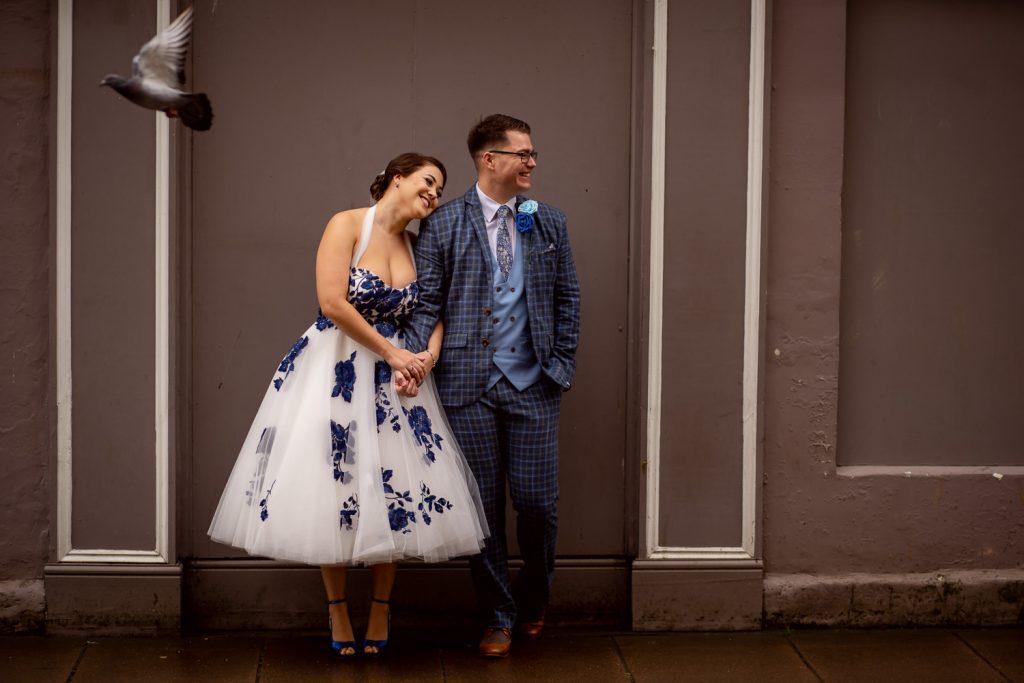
(339, 469)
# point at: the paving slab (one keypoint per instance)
(550, 658)
(892, 655)
(39, 659)
(308, 658)
(170, 660)
(1003, 648)
(758, 656)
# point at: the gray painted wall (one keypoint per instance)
(25, 396)
(826, 527)
(894, 532)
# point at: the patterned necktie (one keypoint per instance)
(504, 242)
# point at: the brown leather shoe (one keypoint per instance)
(531, 630)
(496, 642)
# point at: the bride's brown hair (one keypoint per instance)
(401, 166)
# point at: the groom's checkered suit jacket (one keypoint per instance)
(455, 276)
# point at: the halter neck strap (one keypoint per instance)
(364, 235)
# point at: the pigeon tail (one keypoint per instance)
(196, 113)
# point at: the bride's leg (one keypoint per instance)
(379, 624)
(334, 583)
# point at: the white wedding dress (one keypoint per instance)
(337, 468)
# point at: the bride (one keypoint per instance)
(339, 468)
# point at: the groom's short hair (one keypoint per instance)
(491, 130)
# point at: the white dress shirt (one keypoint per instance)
(489, 207)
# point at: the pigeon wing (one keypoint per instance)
(163, 57)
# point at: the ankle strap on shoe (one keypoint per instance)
(337, 602)
(383, 602)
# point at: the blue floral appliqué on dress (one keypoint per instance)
(263, 503)
(344, 378)
(342, 450)
(349, 511)
(385, 411)
(431, 503)
(322, 321)
(381, 305)
(288, 363)
(398, 516)
(419, 421)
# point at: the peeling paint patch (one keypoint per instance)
(821, 446)
(794, 350)
(22, 606)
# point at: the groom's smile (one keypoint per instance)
(511, 173)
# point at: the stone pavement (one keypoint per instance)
(960, 655)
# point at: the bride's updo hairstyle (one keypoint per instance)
(401, 166)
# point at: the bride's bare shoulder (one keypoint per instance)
(346, 223)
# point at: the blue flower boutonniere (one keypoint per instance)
(524, 215)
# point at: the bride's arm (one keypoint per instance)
(432, 355)
(332, 272)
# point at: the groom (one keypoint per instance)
(497, 269)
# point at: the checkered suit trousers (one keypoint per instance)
(511, 434)
(506, 435)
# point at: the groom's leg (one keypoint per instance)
(531, 422)
(477, 428)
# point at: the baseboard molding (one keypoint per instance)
(263, 594)
(212, 595)
(112, 599)
(943, 598)
(685, 598)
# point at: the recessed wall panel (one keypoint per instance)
(352, 86)
(700, 488)
(931, 360)
(112, 285)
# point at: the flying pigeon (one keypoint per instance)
(158, 75)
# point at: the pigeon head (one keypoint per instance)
(114, 81)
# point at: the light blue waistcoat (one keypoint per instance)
(512, 347)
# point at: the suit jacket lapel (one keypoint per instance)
(475, 217)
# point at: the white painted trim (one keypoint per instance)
(161, 313)
(100, 556)
(710, 553)
(657, 267)
(752, 297)
(752, 293)
(63, 256)
(65, 549)
(994, 472)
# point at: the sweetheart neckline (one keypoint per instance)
(400, 289)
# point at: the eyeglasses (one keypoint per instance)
(523, 156)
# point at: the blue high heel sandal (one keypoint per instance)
(381, 645)
(338, 645)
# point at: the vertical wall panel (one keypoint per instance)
(573, 87)
(112, 286)
(300, 133)
(705, 240)
(931, 361)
